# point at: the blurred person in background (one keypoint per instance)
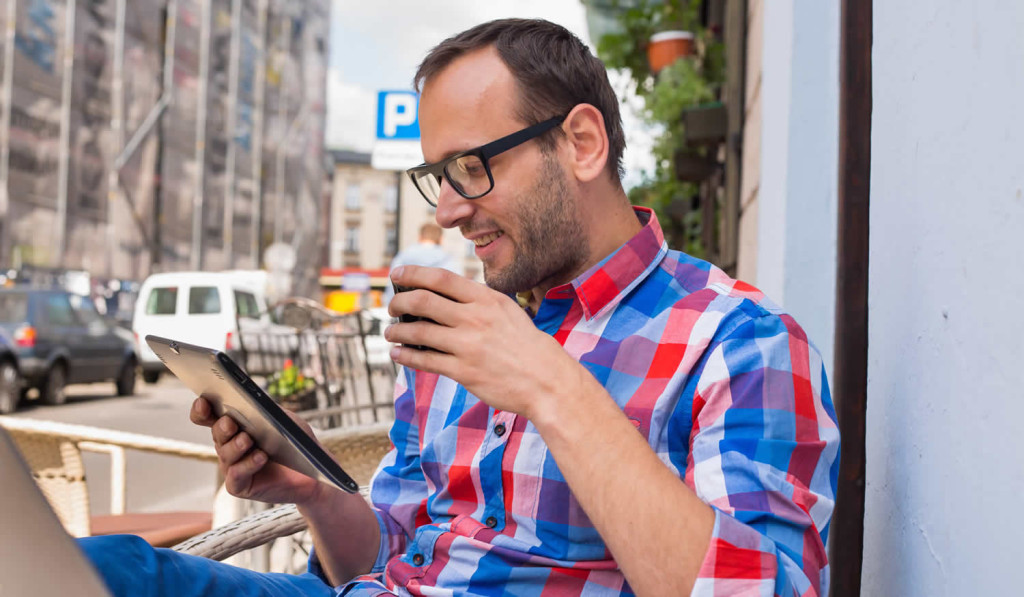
(427, 252)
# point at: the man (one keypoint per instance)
(426, 252)
(638, 423)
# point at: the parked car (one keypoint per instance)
(60, 338)
(202, 308)
(10, 379)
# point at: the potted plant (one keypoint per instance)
(291, 389)
(673, 37)
(665, 47)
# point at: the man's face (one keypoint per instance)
(542, 230)
(525, 230)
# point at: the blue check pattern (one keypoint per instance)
(724, 385)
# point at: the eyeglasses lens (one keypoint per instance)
(469, 176)
(429, 185)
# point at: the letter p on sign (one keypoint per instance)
(396, 115)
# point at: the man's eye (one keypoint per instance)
(471, 166)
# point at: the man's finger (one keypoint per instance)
(238, 477)
(224, 430)
(201, 413)
(421, 333)
(449, 284)
(234, 450)
(424, 303)
(423, 360)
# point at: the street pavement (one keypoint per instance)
(155, 482)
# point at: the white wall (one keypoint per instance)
(945, 414)
(799, 151)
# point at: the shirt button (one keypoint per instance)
(491, 521)
(417, 559)
(499, 429)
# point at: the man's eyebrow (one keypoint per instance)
(454, 153)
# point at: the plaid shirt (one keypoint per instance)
(724, 385)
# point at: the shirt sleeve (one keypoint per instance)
(764, 453)
(398, 490)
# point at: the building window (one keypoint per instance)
(352, 239)
(391, 200)
(352, 198)
(390, 242)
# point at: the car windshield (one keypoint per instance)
(86, 309)
(57, 311)
(13, 308)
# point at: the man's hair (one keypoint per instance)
(554, 71)
(431, 232)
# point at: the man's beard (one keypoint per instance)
(549, 241)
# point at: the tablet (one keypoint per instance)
(213, 375)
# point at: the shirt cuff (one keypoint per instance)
(383, 554)
(313, 567)
(739, 560)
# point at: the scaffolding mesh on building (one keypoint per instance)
(154, 135)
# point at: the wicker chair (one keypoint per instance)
(358, 449)
(53, 452)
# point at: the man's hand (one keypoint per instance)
(248, 472)
(344, 529)
(486, 341)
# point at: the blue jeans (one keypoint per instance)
(131, 567)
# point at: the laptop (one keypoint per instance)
(37, 556)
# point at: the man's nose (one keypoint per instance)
(452, 208)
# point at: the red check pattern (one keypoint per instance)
(724, 385)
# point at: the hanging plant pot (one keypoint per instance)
(668, 46)
(691, 166)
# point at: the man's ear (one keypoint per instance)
(587, 142)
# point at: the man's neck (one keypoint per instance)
(617, 226)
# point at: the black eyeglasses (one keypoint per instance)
(469, 172)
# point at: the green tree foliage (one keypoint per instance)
(684, 84)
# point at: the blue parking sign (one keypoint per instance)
(396, 115)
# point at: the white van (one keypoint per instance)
(202, 308)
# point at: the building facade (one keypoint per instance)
(153, 135)
(946, 207)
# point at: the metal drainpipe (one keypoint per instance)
(851, 339)
(6, 242)
(197, 196)
(64, 161)
(117, 129)
(230, 174)
(282, 113)
(257, 134)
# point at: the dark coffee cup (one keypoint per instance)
(407, 318)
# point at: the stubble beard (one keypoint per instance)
(550, 245)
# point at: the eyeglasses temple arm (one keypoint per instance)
(506, 143)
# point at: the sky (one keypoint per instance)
(376, 45)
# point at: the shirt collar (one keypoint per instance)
(605, 284)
